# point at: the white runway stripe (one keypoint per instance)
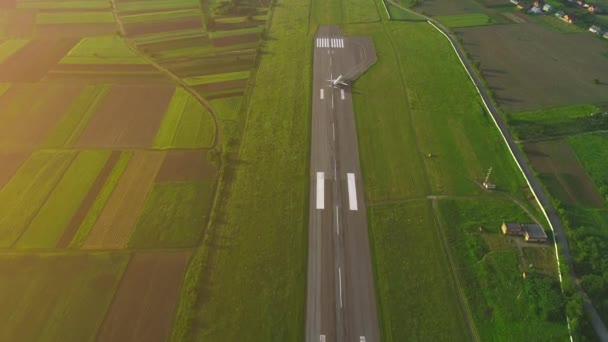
(320, 190)
(341, 43)
(326, 42)
(352, 192)
(342, 93)
(322, 94)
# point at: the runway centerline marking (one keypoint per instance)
(337, 221)
(361, 338)
(342, 93)
(340, 280)
(322, 94)
(322, 338)
(352, 191)
(335, 170)
(320, 190)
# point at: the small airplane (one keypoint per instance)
(337, 82)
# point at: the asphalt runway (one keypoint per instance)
(341, 299)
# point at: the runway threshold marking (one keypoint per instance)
(337, 221)
(342, 93)
(322, 95)
(361, 338)
(333, 131)
(322, 338)
(320, 190)
(352, 191)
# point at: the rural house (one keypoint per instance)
(580, 2)
(593, 8)
(595, 29)
(538, 3)
(569, 18)
(547, 8)
(605, 35)
(514, 2)
(512, 228)
(534, 233)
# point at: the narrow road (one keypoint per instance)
(535, 185)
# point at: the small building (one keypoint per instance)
(512, 228)
(535, 10)
(580, 2)
(538, 3)
(595, 29)
(514, 2)
(560, 14)
(593, 8)
(605, 35)
(547, 8)
(534, 233)
(569, 18)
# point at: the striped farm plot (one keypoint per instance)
(10, 46)
(139, 6)
(70, 5)
(187, 124)
(47, 227)
(74, 17)
(118, 219)
(22, 197)
(102, 50)
(30, 111)
(128, 117)
(11, 161)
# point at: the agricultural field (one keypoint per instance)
(566, 75)
(410, 156)
(448, 7)
(464, 20)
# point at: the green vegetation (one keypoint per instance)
(4, 87)
(102, 50)
(57, 297)
(557, 121)
(27, 190)
(187, 124)
(416, 297)
(505, 306)
(465, 20)
(54, 216)
(67, 131)
(161, 16)
(592, 153)
(228, 109)
(9, 47)
(169, 36)
(262, 269)
(397, 13)
(155, 5)
(71, 5)
(556, 24)
(174, 215)
(217, 78)
(77, 17)
(342, 11)
(237, 32)
(100, 201)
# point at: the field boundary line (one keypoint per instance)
(552, 220)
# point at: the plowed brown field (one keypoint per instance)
(10, 162)
(117, 220)
(34, 60)
(144, 305)
(185, 166)
(128, 117)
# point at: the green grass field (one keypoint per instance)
(4, 87)
(488, 266)
(187, 124)
(57, 297)
(48, 225)
(343, 11)
(71, 5)
(556, 121)
(174, 216)
(397, 13)
(67, 131)
(416, 297)
(9, 47)
(102, 50)
(155, 5)
(161, 16)
(27, 191)
(217, 78)
(101, 199)
(591, 151)
(169, 36)
(465, 20)
(53, 18)
(261, 269)
(231, 124)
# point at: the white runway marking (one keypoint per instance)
(322, 94)
(326, 42)
(335, 170)
(322, 338)
(333, 131)
(341, 43)
(342, 93)
(320, 190)
(352, 191)
(361, 338)
(337, 221)
(340, 280)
